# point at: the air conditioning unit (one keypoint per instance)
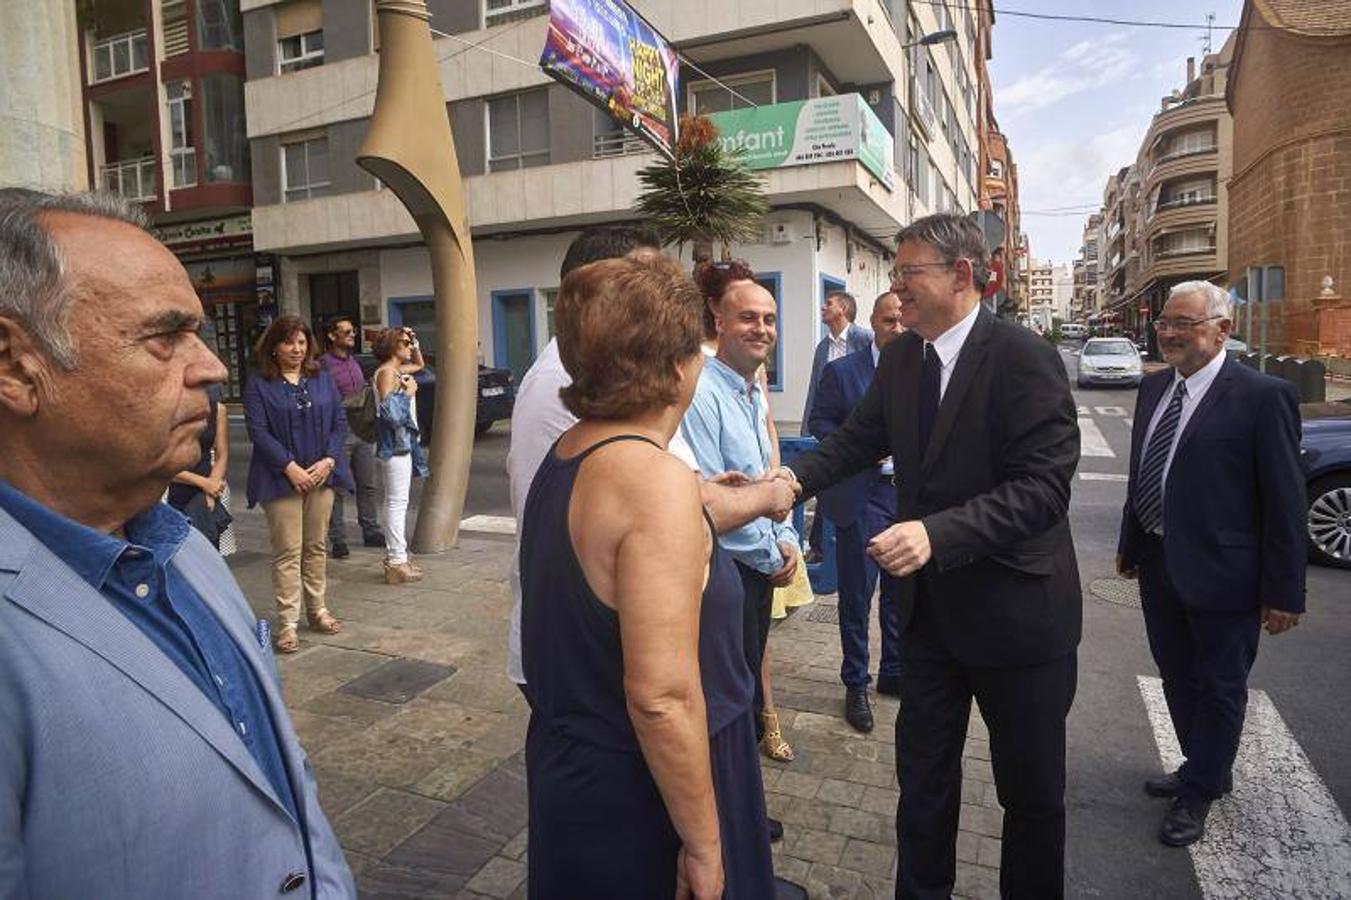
(779, 233)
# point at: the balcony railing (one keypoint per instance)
(1168, 253)
(616, 143)
(121, 55)
(133, 179)
(1181, 154)
(1186, 201)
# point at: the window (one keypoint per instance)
(182, 152)
(709, 97)
(219, 25)
(224, 135)
(550, 302)
(303, 51)
(497, 10)
(124, 54)
(912, 162)
(922, 176)
(944, 16)
(1198, 141)
(305, 169)
(518, 131)
(1198, 240)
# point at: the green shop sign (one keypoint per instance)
(804, 132)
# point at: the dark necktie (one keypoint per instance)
(1149, 493)
(930, 386)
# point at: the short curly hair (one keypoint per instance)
(623, 325)
(714, 279)
(386, 343)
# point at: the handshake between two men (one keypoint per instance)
(900, 550)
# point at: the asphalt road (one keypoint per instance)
(1112, 849)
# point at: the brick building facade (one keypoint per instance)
(1290, 194)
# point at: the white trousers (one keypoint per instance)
(397, 475)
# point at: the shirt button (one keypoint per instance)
(292, 882)
(243, 729)
(142, 590)
(219, 681)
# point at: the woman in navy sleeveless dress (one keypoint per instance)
(600, 826)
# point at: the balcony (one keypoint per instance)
(617, 143)
(133, 179)
(120, 56)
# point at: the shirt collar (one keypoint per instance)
(1199, 381)
(876, 351)
(949, 343)
(92, 554)
(729, 377)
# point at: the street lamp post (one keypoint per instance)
(936, 37)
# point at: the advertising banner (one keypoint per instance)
(803, 132)
(610, 55)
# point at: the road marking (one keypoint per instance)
(1130, 423)
(489, 524)
(1280, 833)
(1102, 476)
(1083, 411)
(1091, 440)
(1111, 411)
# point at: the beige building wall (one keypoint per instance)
(41, 126)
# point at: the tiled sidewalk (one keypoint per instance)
(417, 738)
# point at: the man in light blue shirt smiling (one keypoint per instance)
(726, 427)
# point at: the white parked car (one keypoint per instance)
(1113, 361)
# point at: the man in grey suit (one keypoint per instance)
(145, 751)
(843, 337)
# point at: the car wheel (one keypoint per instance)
(1329, 521)
(482, 427)
(1083, 385)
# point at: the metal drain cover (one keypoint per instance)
(1118, 591)
(824, 613)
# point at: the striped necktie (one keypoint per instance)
(1149, 493)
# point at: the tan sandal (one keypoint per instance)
(772, 744)
(287, 641)
(401, 573)
(324, 623)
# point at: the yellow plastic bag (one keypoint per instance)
(799, 593)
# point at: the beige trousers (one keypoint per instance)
(299, 529)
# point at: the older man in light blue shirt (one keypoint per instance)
(726, 427)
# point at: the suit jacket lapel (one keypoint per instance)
(263, 670)
(1143, 415)
(910, 357)
(969, 360)
(50, 590)
(1222, 383)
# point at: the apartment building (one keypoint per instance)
(1165, 216)
(1040, 293)
(1000, 194)
(163, 111)
(1289, 90)
(1085, 271)
(540, 163)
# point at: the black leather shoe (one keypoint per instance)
(1166, 786)
(339, 551)
(857, 712)
(788, 890)
(374, 539)
(889, 685)
(775, 830)
(1185, 822)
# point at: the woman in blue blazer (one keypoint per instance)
(294, 416)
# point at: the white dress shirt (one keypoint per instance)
(1197, 384)
(949, 347)
(537, 419)
(837, 344)
(888, 466)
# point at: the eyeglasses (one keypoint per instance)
(344, 332)
(1180, 325)
(901, 273)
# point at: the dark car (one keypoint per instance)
(1326, 452)
(496, 395)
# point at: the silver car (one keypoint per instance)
(1114, 361)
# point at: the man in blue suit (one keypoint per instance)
(145, 751)
(861, 507)
(1213, 527)
(838, 311)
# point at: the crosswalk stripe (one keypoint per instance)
(1280, 834)
(1103, 476)
(1091, 440)
(1110, 410)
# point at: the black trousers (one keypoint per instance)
(1025, 709)
(1204, 659)
(755, 631)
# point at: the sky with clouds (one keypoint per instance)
(1075, 98)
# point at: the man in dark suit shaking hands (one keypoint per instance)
(1213, 528)
(977, 414)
